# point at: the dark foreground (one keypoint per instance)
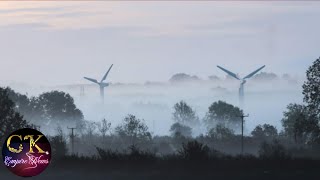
(164, 170)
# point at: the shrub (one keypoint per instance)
(134, 154)
(193, 150)
(108, 154)
(58, 146)
(273, 150)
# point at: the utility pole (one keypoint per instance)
(242, 120)
(72, 139)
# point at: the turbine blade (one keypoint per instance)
(228, 72)
(105, 76)
(254, 72)
(92, 80)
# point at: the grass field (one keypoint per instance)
(178, 169)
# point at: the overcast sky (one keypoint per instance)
(53, 43)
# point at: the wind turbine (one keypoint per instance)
(101, 84)
(242, 81)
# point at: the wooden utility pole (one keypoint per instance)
(72, 139)
(242, 120)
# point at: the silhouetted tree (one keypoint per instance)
(179, 129)
(182, 77)
(90, 128)
(28, 107)
(311, 88)
(299, 123)
(22, 102)
(59, 106)
(264, 76)
(134, 128)
(265, 131)
(58, 144)
(258, 132)
(221, 132)
(184, 114)
(10, 120)
(54, 105)
(103, 127)
(223, 113)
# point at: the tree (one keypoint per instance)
(221, 132)
(299, 123)
(22, 102)
(134, 128)
(54, 105)
(214, 78)
(10, 120)
(179, 129)
(258, 132)
(90, 128)
(264, 76)
(311, 88)
(182, 77)
(264, 131)
(184, 114)
(58, 144)
(223, 113)
(104, 127)
(57, 105)
(28, 107)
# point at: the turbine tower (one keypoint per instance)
(242, 81)
(101, 84)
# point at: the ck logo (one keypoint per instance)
(26, 152)
(31, 145)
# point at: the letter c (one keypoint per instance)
(13, 149)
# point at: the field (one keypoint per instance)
(177, 169)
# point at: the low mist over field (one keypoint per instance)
(265, 99)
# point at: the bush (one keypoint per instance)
(134, 154)
(58, 146)
(273, 151)
(193, 150)
(108, 154)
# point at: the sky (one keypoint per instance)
(57, 43)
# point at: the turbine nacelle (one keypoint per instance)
(242, 80)
(101, 84)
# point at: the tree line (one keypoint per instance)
(300, 124)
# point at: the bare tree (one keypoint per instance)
(103, 127)
(90, 128)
